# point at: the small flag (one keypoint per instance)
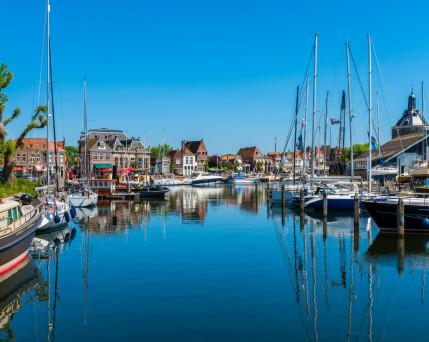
(300, 146)
(335, 121)
(373, 143)
(284, 159)
(302, 124)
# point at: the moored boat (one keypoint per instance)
(83, 197)
(206, 179)
(19, 219)
(384, 213)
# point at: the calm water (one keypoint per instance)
(216, 265)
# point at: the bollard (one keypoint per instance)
(283, 195)
(400, 246)
(356, 214)
(301, 200)
(325, 204)
(400, 218)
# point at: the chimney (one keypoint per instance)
(183, 145)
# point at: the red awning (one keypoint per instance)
(18, 169)
(106, 170)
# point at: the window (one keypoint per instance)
(177, 161)
(101, 156)
(61, 158)
(23, 157)
(18, 158)
(32, 159)
(107, 156)
(94, 157)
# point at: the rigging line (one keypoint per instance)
(53, 118)
(384, 84)
(301, 95)
(61, 110)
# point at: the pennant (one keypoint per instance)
(335, 121)
(302, 124)
(300, 146)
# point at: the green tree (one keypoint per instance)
(71, 153)
(235, 166)
(159, 151)
(206, 166)
(358, 149)
(259, 166)
(8, 147)
(171, 166)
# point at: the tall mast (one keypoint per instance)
(378, 124)
(350, 113)
(48, 152)
(314, 108)
(294, 142)
(370, 121)
(326, 126)
(85, 124)
(305, 126)
(423, 126)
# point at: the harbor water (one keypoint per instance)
(217, 264)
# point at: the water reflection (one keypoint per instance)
(18, 288)
(298, 277)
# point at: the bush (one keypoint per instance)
(19, 185)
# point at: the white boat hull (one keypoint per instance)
(83, 201)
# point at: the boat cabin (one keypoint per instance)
(103, 186)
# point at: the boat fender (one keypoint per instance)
(57, 219)
(67, 216)
(425, 223)
(73, 212)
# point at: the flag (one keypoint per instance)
(343, 101)
(335, 121)
(300, 146)
(373, 143)
(302, 124)
(284, 159)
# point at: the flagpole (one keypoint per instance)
(305, 128)
(326, 124)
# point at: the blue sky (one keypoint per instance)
(225, 71)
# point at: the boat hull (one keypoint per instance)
(385, 216)
(334, 203)
(206, 182)
(14, 246)
(83, 201)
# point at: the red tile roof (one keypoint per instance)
(39, 144)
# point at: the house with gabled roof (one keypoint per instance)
(255, 158)
(198, 148)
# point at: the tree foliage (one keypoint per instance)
(159, 151)
(8, 147)
(71, 153)
(358, 149)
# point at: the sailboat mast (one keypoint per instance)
(378, 124)
(314, 109)
(326, 126)
(370, 121)
(48, 152)
(85, 124)
(423, 126)
(350, 113)
(294, 142)
(305, 128)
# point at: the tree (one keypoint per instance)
(159, 151)
(259, 166)
(358, 149)
(235, 166)
(71, 153)
(171, 166)
(8, 147)
(206, 166)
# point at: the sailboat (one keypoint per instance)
(83, 196)
(57, 213)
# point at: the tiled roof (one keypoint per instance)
(193, 146)
(393, 147)
(248, 152)
(39, 144)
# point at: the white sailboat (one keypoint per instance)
(84, 196)
(57, 213)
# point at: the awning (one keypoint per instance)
(18, 169)
(103, 166)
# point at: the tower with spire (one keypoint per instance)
(411, 120)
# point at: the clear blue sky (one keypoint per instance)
(225, 71)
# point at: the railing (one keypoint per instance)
(15, 224)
